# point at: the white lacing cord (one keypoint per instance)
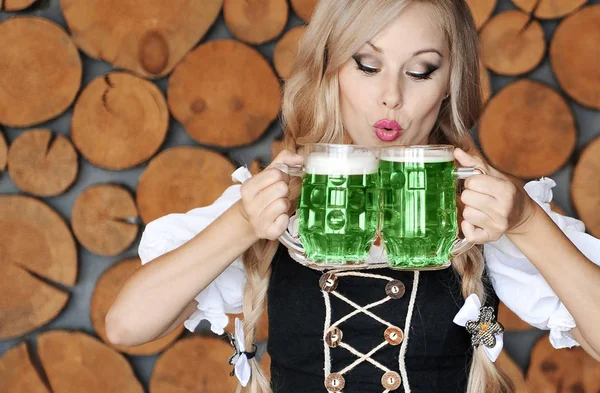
(327, 367)
(402, 356)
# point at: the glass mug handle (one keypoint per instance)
(286, 239)
(460, 246)
(292, 170)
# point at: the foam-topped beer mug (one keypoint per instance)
(418, 222)
(338, 205)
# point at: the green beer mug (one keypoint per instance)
(339, 202)
(418, 210)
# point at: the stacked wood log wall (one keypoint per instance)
(114, 113)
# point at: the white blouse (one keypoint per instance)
(516, 281)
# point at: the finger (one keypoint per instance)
(473, 234)
(485, 184)
(467, 160)
(252, 187)
(274, 209)
(483, 202)
(277, 228)
(477, 217)
(269, 195)
(287, 157)
(471, 161)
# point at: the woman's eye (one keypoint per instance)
(364, 68)
(419, 76)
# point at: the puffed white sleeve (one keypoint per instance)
(224, 295)
(519, 284)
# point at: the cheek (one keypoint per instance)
(424, 105)
(349, 89)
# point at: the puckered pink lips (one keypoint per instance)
(387, 130)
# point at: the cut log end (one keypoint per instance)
(527, 130)
(512, 44)
(15, 5)
(481, 11)
(194, 361)
(573, 53)
(113, 133)
(180, 179)
(257, 21)
(17, 372)
(585, 187)
(104, 219)
(286, 51)
(276, 148)
(39, 252)
(71, 360)
(549, 9)
(42, 163)
(510, 320)
(513, 372)
(249, 105)
(53, 75)
(3, 152)
(485, 82)
(304, 8)
(150, 40)
(107, 287)
(555, 370)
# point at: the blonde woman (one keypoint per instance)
(377, 73)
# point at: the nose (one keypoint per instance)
(392, 94)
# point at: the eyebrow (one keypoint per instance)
(376, 48)
(428, 50)
(419, 52)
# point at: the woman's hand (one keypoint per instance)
(494, 205)
(265, 198)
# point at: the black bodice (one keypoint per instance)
(438, 352)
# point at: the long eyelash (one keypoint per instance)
(424, 76)
(420, 77)
(366, 70)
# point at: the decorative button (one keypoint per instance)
(395, 289)
(335, 382)
(391, 380)
(334, 337)
(328, 282)
(393, 335)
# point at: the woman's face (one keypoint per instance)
(391, 90)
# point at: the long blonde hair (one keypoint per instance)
(310, 113)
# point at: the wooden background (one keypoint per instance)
(87, 172)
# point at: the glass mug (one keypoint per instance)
(418, 210)
(339, 202)
(351, 193)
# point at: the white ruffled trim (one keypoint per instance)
(520, 285)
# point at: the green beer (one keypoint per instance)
(418, 207)
(338, 209)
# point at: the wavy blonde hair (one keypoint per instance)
(311, 113)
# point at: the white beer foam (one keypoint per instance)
(352, 164)
(418, 156)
